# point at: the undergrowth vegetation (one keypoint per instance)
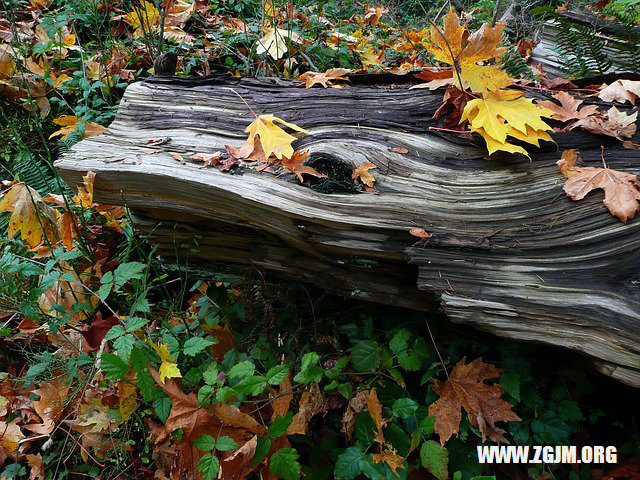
(115, 365)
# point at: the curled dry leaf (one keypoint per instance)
(326, 79)
(616, 124)
(466, 389)
(361, 174)
(568, 108)
(621, 189)
(621, 91)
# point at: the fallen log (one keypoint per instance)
(508, 252)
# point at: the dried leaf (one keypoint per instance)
(568, 108)
(466, 389)
(621, 91)
(621, 189)
(70, 123)
(325, 79)
(310, 404)
(294, 165)
(361, 174)
(616, 124)
(231, 415)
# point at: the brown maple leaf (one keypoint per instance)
(355, 406)
(435, 78)
(294, 164)
(453, 104)
(325, 79)
(466, 389)
(185, 412)
(361, 174)
(616, 124)
(568, 108)
(310, 404)
(621, 189)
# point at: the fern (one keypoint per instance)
(580, 49)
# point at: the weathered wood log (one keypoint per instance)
(509, 251)
(614, 36)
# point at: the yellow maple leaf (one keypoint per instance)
(127, 396)
(144, 16)
(168, 367)
(29, 215)
(448, 45)
(274, 42)
(505, 113)
(274, 139)
(71, 122)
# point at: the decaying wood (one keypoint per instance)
(509, 251)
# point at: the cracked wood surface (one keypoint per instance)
(509, 252)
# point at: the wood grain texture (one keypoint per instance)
(509, 251)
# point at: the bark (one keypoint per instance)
(509, 252)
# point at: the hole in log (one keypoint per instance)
(338, 174)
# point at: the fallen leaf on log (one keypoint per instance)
(621, 91)
(616, 124)
(361, 173)
(621, 189)
(568, 108)
(294, 164)
(325, 79)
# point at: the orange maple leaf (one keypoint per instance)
(294, 164)
(466, 389)
(361, 173)
(325, 79)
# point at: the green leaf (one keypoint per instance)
(195, 345)
(279, 425)
(435, 459)
(284, 463)
(253, 385)
(242, 369)
(277, 374)
(105, 289)
(113, 366)
(163, 408)
(310, 370)
(510, 383)
(348, 464)
(262, 449)
(400, 341)
(114, 332)
(138, 359)
(365, 429)
(126, 272)
(426, 425)
(135, 323)
(209, 466)
(404, 407)
(206, 443)
(366, 356)
(124, 346)
(210, 375)
(205, 393)
(224, 444)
